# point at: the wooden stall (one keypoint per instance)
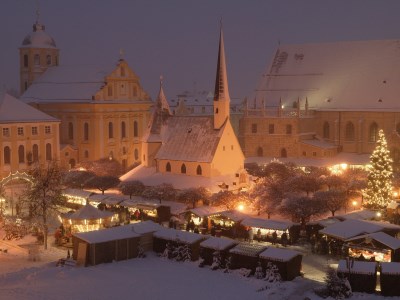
(200, 217)
(146, 231)
(390, 279)
(245, 255)
(213, 244)
(228, 223)
(106, 245)
(287, 261)
(176, 238)
(361, 275)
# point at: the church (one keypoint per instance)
(193, 150)
(103, 109)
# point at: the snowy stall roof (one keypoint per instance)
(267, 223)
(139, 202)
(233, 214)
(13, 110)
(108, 234)
(88, 212)
(113, 199)
(325, 222)
(178, 235)
(279, 254)
(364, 214)
(98, 197)
(145, 227)
(150, 177)
(248, 249)
(205, 211)
(320, 72)
(218, 243)
(351, 228)
(359, 267)
(380, 237)
(392, 268)
(77, 193)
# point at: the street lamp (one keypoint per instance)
(240, 207)
(354, 204)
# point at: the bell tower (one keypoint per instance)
(37, 52)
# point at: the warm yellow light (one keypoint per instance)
(378, 214)
(395, 194)
(343, 166)
(355, 203)
(82, 169)
(240, 207)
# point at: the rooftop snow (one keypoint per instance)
(380, 237)
(88, 212)
(390, 268)
(248, 249)
(77, 193)
(178, 235)
(359, 267)
(217, 243)
(145, 227)
(267, 223)
(205, 211)
(279, 254)
(108, 234)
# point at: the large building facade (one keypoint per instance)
(319, 100)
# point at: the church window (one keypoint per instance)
(123, 90)
(283, 152)
(216, 110)
(21, 154)
(373, 132)
(326, 130)
(26, 61)
(223, 148)
(110, 130)
(6, 132)
(34, 130)
(20, 130)
(48, 60)
(48, 151)
(47, 129)
(253, 128)
(168, 167)
(122, 71)
(288, 128)
(304, 153)
(7, 155)
(134, 91)
(271, 128)
(86, 154)
(260, 152)
(203, 109)
(36, 60)
(70, 131)
(86, 132)
(110, 90)
(135, 129)
(183, 169)
(35, 152)
(199, 171)
(294, 105)
(123, 130)
(349, 133)
(314, 153)
(136, 154)
(123, 150)
(231, 147)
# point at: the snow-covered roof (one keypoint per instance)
(390, 268)
(364, 214)
(113, 199)
(77, 193)
(248, 249)
(267, 223)
(108, 234)
(359, 267)
(393, 204)
(88, 212)
(279, 254)
(322, 73)
(150, 177)
(205, 211)
(68, 84)
(38, 38)
(189, 138)
(233, 214)
(218, 243)
(179, 235)
(139, 202)
(13, 110)
(325, 222)
(145, 227)
(380, 237)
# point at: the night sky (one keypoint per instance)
(179, 38)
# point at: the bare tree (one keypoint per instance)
(225, 198)
(333, 199)
(44, 196)
(162, 192)
(76, 178)
(304, 183)
(103, 183)
(132, 188)
(104, 167)
(193, 195)
(301, 208)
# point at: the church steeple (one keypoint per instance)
(221, 94)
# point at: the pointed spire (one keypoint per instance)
(221, 81)
(162, 102)
(306, 105)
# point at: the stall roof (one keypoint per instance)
(145, 227)
(217, 243)
(139, 202)
(380, 237)
(88, 212)
(178, 235)
(279, 254)
(108, 234)
(364, 214)
(248, 249)
(98, 197)
(359, 267)
(77, 193)
(326, 222)
(390, 268)
(233, 214)
(267, 223)
(113, 199)
(205, 211)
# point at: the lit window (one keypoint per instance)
(34, 130)
(6, 132)
(20, 130)
(47, 129)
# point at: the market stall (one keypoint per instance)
(216, 244)
(245, 255)
(361, 275)
(287, 261)
(390, 279)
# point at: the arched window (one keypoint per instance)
(260, 152)
(123, 130)
(283, 152)
(35, 152)
(72, 163)
(135, 129)
(134, 91)
(48, 59)
(110, 90)
(7, 155)
(183, 169)
(86, 154)
(349, 133)
(86, 132)
(199, 171)
(70, 131)
(216, 110)
(110, 130)
(168, 167)
(48, 151)
(123, 150)
(36, 60)
(26, 61)
(21, 154)
(325, 133)
(136, 154)
(373, 132)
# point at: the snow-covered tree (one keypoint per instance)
(333, 199)
(132, 188)
(103, 183)
(377, 195)
(76, 178)
(168, 251)
(193, 195)
(162, 192)
(228, 264)
(186, 253)
(140, 251)
(337, 288)
(301, 208)
(272, 273)
(259, 274)
(217, 261)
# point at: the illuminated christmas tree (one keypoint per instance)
(377, 195)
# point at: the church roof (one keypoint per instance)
(68, 83)
(38, 38)
(189, 138)
(13, 110)
(355, 75)
(221, 82)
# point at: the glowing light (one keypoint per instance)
(240, 207)
(343, 166)
(379, 214)
(355, 203)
